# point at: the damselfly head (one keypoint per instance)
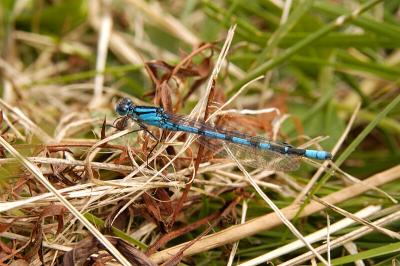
(123, 106)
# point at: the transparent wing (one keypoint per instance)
(247, 155)
(251, 156)
(184, 120)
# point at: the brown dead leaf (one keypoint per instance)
(81, 252)
(152, 208)
(55, 210)
(90, 246)
(4, 227)
(103, 129)
(19, 262)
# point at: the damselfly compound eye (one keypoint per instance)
(123, 106)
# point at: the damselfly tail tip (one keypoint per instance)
(318, 155)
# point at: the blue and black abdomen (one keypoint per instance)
(181, 123)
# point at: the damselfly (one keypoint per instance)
(259, 151)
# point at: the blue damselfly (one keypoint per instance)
(260, 151)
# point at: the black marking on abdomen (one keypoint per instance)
(254, 143)
(277, 148)
(228, 138)
(295, 151)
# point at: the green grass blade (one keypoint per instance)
(368, 254)
(260, 70)
(100, 224)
